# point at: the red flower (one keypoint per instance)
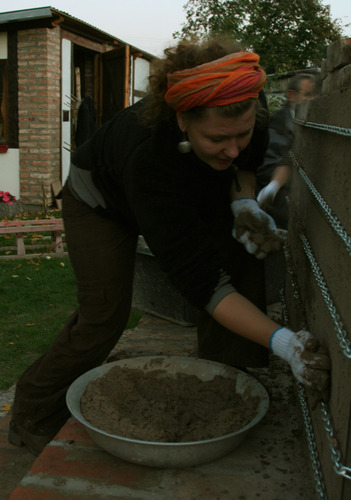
(6, 197)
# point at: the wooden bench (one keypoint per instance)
(22, 227)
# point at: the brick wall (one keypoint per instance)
(39, 105)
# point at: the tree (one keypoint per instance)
(287, 34)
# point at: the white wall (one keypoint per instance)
(9, 172)
(141, 74)
(9, 162)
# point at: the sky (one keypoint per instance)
(146, 24)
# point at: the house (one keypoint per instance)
(59, 78)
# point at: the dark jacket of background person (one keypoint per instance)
(281, 136)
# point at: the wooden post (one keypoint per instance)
(20, 245)
(78, 86)
(127, 76)
(97, 86)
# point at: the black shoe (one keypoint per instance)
(20, 436)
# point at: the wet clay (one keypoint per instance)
(153, 406)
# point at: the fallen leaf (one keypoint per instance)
(30, 324)
(11, 343)
(6, 407)
(62, 264)
(15, 276)
(29, 279)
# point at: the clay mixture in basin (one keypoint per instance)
(154, 406)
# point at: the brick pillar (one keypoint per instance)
(39, 102)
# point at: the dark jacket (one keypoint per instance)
(177, 202)
(281, 136)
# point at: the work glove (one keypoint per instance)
(309, 362)
(254, 228)
(266, 196)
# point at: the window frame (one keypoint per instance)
(4, 102)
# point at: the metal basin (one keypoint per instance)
(161, 454)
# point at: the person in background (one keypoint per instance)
(164, 168)
(274, 174)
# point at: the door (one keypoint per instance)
(115, 82)
(66, 106)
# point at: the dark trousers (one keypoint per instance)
(102, 253)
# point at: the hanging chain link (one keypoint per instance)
(322, 126)
(311, 440)
(345, 343)
(312, 446)
(331, 218)
(339, 469)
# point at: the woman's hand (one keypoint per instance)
(281, 176)
(309, 362)
(266, 196)
(254, 228)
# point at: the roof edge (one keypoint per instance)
(25, 14)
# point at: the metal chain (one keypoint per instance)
(312, 446)
(341, 334)
(311, 440)
(340, 469)
(331, 218)
(322, 126)
(345, 343)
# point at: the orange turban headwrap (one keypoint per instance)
(233, 78)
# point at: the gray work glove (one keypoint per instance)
(309, 362)
(254, 228)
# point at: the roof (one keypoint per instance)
(50, 17)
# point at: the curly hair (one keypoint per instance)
(189, 53)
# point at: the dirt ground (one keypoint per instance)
(11, 470)
(275, 456)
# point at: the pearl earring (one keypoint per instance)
(184, 146)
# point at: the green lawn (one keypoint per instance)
(36, 298)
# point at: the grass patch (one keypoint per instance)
(36, 299)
